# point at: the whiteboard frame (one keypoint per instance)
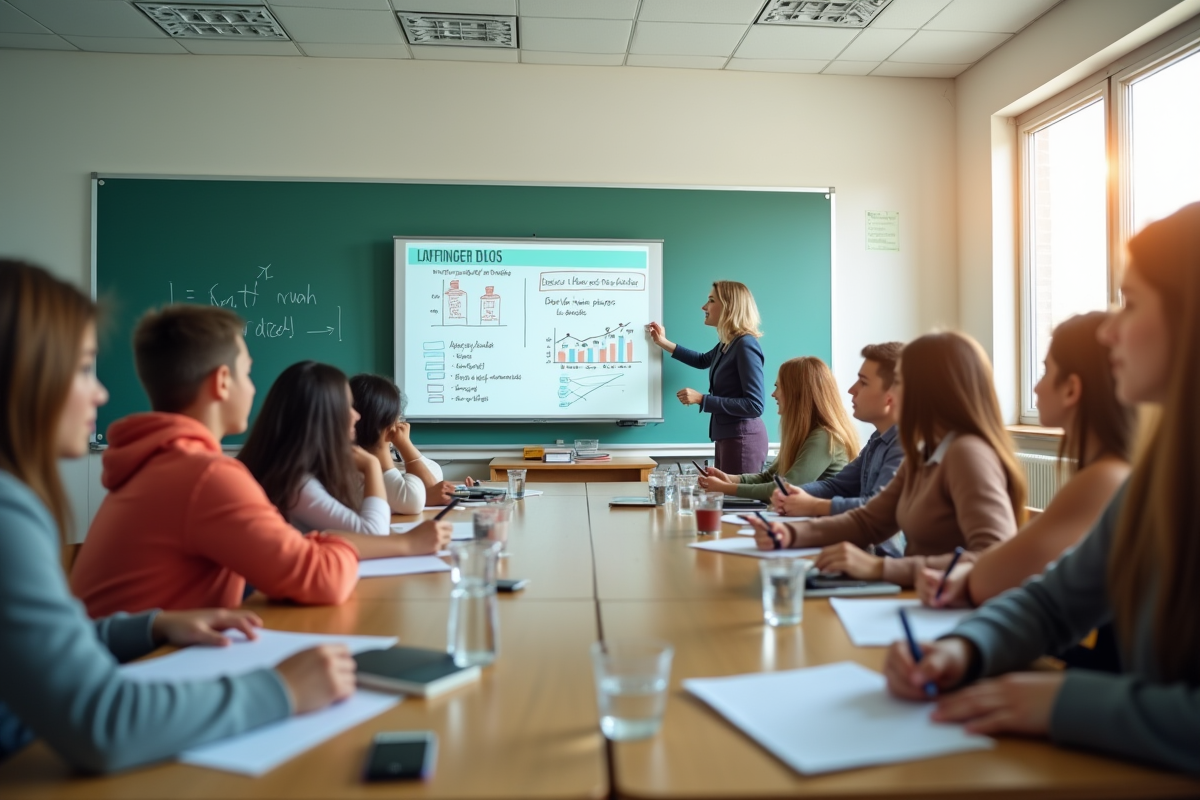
(654, 358)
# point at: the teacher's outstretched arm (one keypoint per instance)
(658, 335)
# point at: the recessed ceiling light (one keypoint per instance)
(459, 30)
(215, 22)
(822, 13)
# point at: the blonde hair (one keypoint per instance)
(812, 401)
(948, 384)
(739, 314)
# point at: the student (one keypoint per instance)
(380, 427)
(184, 526)
(301, 451)
(735, 377)
(815, 430)
(1076, 393)
(58, 678)
(873, 403)
(959, 485)
(1137, 567)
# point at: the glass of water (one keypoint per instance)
(516, 483)
(659, 483)
(783, 590)
(631, 686)
(685, 494)
(473, 633)
(502, 512)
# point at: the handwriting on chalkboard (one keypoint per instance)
(261, 322)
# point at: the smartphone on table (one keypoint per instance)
(401, 755)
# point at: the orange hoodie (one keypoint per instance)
(184, 526)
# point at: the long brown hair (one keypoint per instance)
(1156, 549)
(948, 385)
(1076, 350)
(811, 401)
(303, 429)
(42, 322)
(739, 312)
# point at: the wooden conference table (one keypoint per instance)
(529, 727)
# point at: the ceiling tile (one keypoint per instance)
(578, 9)
(676, 62)
(794, 42)
(90, 17)
(362, 5)
(228, 47)
(731, 11)
(433, 52)
(14, 21)
(872, 45)
(948, 47)
(575, 35)
(329, 50)
(1009, 16)
(893, 69)
(34, 41)
(458, 7)
(910, 13)
(121, 44)
(685, 39)
(810, 66)
(339, 25)
(589, 59)
(840, 67)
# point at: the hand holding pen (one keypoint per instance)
(768, 536)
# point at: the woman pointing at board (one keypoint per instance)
(735, 377)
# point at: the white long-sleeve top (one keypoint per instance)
(405, 491)
(316, 509)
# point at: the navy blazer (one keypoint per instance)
(735, 383)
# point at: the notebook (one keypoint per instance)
(412, 670)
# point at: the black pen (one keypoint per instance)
(915, 649)
(703, 470)
(453, 502)
(782, 486)
(958, 551)
(771, 533)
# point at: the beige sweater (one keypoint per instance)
(957, 498)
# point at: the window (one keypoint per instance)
(1084, 191)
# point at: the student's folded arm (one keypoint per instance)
(59, 672)
(231, 521)
(875, 522)
(317, 509)
(405, 491)
(693, 358)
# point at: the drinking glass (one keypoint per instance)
(631, 686)
(485, 520)
(685, 488)
(783, 590)
(502, 508)
(473, 633)
(660, 484)
(585, 446)
(708, 511)
(516, 483)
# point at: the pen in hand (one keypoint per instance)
(958, 551)
(703, 470)
(771, 533)
(782, 486)
(453, 502)
(915, 649)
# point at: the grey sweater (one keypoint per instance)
(58, 674)
(1133, 714)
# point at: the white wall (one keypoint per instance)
(1072, 41)
(884, 143)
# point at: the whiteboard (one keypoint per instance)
(528, 330)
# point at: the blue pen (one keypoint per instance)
(774, 538)
(930, 688)
(958, 551)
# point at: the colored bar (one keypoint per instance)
(612, 353)
(580, 357)
(603, 355)
(591, 354)
(621, 348)
(562, 356)
(629, 352)
(571, 356)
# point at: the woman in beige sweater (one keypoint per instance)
(959, 485)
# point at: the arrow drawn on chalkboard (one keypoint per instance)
(328, 330)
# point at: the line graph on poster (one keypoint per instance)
(573, 390)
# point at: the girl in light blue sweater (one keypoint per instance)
(58, 677)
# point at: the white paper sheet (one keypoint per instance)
(832, 717)
(261, 750)
(771, 516)
(467, 504)
(401, 565)
(748, 547)
(876, 623)
(462, 530)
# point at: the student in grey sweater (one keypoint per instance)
(1139, 567)
(58, 676)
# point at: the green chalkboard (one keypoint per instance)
(309, 265)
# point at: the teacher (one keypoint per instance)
(735, 377)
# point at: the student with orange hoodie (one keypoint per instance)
(183, 525)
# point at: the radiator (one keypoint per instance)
(1042, 473)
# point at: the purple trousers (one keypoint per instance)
(744, 452)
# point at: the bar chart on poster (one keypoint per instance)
(528, 329)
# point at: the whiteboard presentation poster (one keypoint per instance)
(528, 329)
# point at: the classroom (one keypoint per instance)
(273, 203)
